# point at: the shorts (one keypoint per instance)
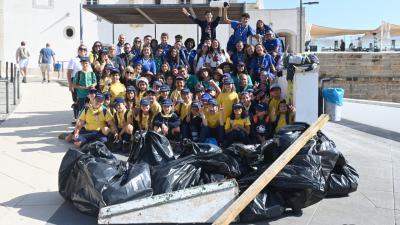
(23, 63)
(46, 67)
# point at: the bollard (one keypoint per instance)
(18, 86)
(1, 72)
(14, 93)
(7, 98)
(6, 70)
(12, 72)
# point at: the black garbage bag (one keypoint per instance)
(193, 170)
(266, 205)
(152, 148)
(188, 147)
(98, 149)
(91, 182)
(343, 179)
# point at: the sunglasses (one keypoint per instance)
(129, 72)
(97, 46)
(138, 41)
(82, 49)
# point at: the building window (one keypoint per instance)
(92, 2)
(69, 32)
(43, 4)
(185, 1)
(158, 2)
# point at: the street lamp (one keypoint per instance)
(301, 21)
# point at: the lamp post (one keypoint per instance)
(301, 21)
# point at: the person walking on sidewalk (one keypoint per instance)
(22, 58)
(46, 61)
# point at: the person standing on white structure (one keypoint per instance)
(22, 58)
(46, 61)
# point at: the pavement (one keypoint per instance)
(31, 154)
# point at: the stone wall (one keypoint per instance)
(370, 76)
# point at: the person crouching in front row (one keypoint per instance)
(167, 122)
(92, 123)
(237, 126)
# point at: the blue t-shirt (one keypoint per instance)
(148, 65)
(261, 63)
(271, 44)
(47, 55)
(238, 57)
(241, 32)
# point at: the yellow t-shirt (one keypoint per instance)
(175, 94)
(145, 123)
(212, 119)
(155, 108)
(139, 97)
(104, 84)
(117, 90)
(121, 118)
(282, 121)
(241, 122)
(227, 100)
(183, 109)
(273, 105)
(95, 119)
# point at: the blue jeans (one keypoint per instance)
(196, 134)
(86, 136)
(236, 136)
(81, 105)
(217, 133)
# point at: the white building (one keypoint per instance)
(57, 22)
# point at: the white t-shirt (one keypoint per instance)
(75, 65)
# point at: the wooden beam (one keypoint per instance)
(237, 206)
(145, 16)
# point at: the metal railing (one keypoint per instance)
(10, 87)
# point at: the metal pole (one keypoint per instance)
(14, 93)
(12, 72)
(301, 26)
(80, 23)
(155, 31)
(7, 98)
(113, 34)
(1, 72)
(6, 70)
(18, 86)
(197, 28)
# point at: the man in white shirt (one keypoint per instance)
(22, 58)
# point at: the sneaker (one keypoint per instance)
(24, 80)
(73, 122)
(44, 80)
(48, 81)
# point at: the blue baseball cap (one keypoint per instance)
(237, 106)
(274, 87)
(92, 90)
(213, 102)
(210, 88)
(119, 100)
(109, 66)
(107, 94)
(151, 90)
(130, 88)
(261, 107)
(84, 59)
(185, 91)
(179, 78)
(157, 83)
(103, 51)
(164, 88)
(196, 104)
(228, 81)
(206, 97)
(199, 89)
(166, 102)
(99, 96)
(145, 101)
(114, 70)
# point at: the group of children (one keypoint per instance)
(204, 94)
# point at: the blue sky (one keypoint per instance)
(352, 14)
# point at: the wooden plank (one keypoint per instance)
(233, 211)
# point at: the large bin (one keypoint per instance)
(57, 67)
(333, 98)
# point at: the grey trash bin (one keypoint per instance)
(333, 102)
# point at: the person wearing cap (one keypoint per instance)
(274, 100)
(217, 76)
(105, 78)
(117, 89)
(107, 101)
(156, 86)
(179, 86)
(155, 106)
(237, 126)
(146, 59)
(198, 92)
(150, 77)
(195, 123)
(284, 116)
(204, 100)
(164, 92)
(167, 122)
(227, 97)
(91, 96)
(215, 121)
(92, 123)
(261, 125)
(130, 100)
(120, 119)
(84, 80)
(142, 84)
(211, 91)
(143, 117)
(182, 108)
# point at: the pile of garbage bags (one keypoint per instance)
(93, 178)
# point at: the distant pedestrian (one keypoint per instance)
(46, 61)
(359, 45)
(342, 46)
(22, 58)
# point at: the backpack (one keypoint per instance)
(80, 73)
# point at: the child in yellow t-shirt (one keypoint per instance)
(237, 126)
(227, 97)
(285, 115)
(182, 108)
(215, 121)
